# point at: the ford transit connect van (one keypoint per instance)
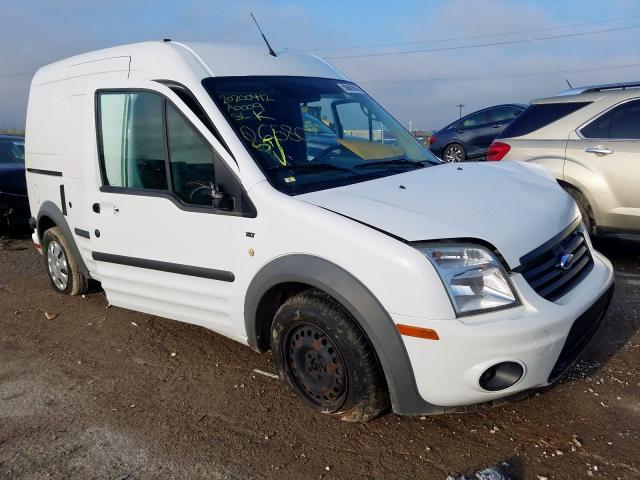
(270, 199)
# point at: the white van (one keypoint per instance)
(270, 199)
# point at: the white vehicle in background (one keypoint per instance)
(191, 182)
(589, 138)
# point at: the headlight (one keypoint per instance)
(472, 276)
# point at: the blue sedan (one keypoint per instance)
(14, 204)
(469, 137)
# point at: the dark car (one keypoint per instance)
(14, 204)
(470, 136)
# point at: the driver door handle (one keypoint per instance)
(497, 126)
(106, 208)
(599, 150)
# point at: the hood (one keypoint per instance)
(514, 206)
(12, 178)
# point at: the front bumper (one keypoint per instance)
(447, 371)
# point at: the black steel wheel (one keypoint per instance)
(322, 354)
(316, 367)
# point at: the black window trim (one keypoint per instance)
(601, 114)
(248, 208)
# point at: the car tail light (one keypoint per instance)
(432, 139)
(497, 151)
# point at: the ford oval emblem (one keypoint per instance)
(566, 261)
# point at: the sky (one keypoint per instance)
(454, 64)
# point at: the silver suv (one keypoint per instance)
(589, 138)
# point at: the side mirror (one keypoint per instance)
(210, 193)
(222, 201)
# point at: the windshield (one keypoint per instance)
(11, 150)
(309, 134)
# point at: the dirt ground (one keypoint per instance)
(101, 392)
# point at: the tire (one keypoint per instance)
(326, 359)
(585, 208)
(61, 265)
(454, 153)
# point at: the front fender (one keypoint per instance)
(360, 303)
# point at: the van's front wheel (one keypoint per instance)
(60, 264)
(325, 358)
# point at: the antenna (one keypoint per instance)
(568, 83)
(271, 52)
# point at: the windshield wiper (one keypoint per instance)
(401, 162)
(313, 167)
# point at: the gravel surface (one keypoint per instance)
(88, 391)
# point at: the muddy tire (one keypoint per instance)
(61, 265)
(326, 359)
(585, 208)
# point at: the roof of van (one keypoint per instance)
(166, 59)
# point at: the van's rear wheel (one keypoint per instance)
(325, 358)
(60, 264)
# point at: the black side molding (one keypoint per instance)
(63, 200)
(82, 233)
(52, 173)
(212, 274)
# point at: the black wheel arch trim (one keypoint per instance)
(51, 210)
(360, 303)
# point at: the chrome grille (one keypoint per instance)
(559, 267)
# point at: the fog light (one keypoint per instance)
(501, 376)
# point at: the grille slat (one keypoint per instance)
(552, 273)
(568, 275)
(544, 273)
(531, 274)
(547, 277)
(575, 243)
(577, 254)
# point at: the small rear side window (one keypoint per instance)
(540, 115)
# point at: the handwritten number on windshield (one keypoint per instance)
(266, 137)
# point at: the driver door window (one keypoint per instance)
(191, 160)
(147, 144)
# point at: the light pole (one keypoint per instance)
(460, 105)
